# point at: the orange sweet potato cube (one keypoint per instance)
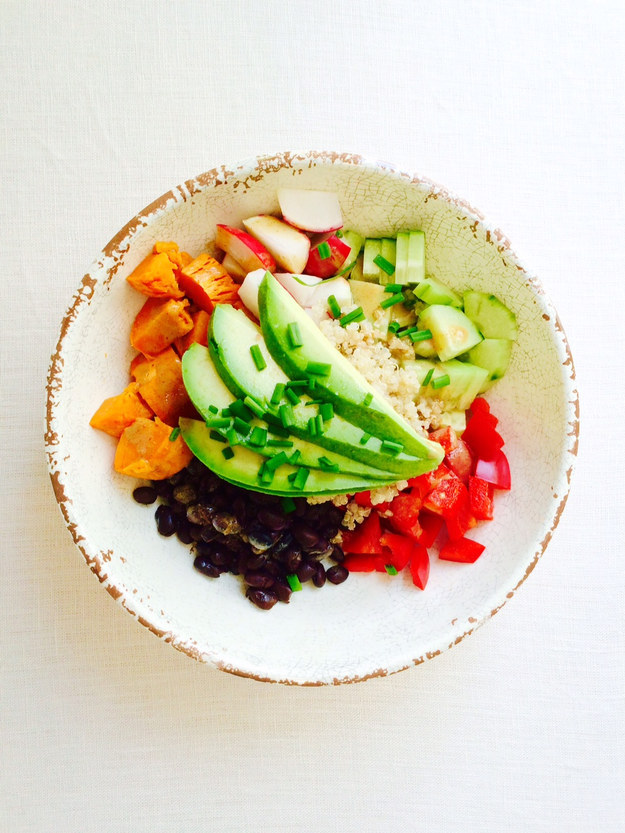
(206, 282)
(160, 322)
(178, 258)
(146, 450)
(118, 412)
(160, 385)
(199, 333)
(155, 277)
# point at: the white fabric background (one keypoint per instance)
(517, 106)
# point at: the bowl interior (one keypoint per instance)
(371, 624)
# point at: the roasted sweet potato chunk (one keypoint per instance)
(160, 385)
(155, 277)
(146, 450)
(160, 321)
(206, 282)
(118, 412)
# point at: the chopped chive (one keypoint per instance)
(297, 383)
(319, 426)
(275, 443)
(365, 439)
(275, 462)
(355, 315)
(276, 424)
(216, 435)
(254, 406)
(299, 481)
(312, 383)
(257, 356)
(405, 331)
(294, 583)
(220, 422)
(390, 447)
(420, 335)
(286, 415)
(288, 505)
(266, 475)
(291, 396)
(319, 368)
(291, 477)
(278, 393)
(394, 299)
(384, 264)
(213, 409)
(312, 427)
(324, 251)
(241, 426)
(228, 453)
(334, 306)
(392, 571)
(338, 233)
(326, 411)
(367, 400)
(174, 434)
(232, 437)
(293, 334)
(258, 437)
(427, 378)
(393, 287)
(327, 465)
(238, 408)
(295, 457)
(441, 381)
(314, 402)
(393, 326)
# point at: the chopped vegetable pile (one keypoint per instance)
(241, 368)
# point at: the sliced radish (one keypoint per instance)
(327, 256)
(248, 291)
(233, 267)
(244, 248)
(288, 246)
(317, 306)
(301, 287)
(315, 211)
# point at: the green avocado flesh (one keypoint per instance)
(351, 395)
(232, 334)
(207, 389)
(242, 468)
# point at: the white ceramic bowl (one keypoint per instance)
(372, 624)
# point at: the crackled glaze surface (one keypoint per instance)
(371, 625)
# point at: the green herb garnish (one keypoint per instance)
(257, 356)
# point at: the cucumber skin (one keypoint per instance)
(490, 315)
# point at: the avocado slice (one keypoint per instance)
(242, 468)
(231, 334)
(351, 395)
(207, 389)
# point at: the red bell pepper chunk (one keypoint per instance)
(460, 519)
(465, 550)
(424, 483)
(444, 497)
(363, 499)
(480, 405)
(446, 437)
(481, 436)
(420, 566)
(431, 525)
(405, 518)
(495, 470)
(460, 460)
(359, 563)
(481, 498)
(365, 539)
(401, 549)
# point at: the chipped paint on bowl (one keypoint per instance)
(373, 624)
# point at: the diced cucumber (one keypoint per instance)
(455, 419)
(389, 253)
(425, 348)
(493, 354)
(491, 316)
(405, 317)
(410, 260)
(434, 292)
(465, 380)
(453, 332)
(356, 274)
(369, 296)
(355, 241)
(384, 247)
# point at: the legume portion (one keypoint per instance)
(259, 537)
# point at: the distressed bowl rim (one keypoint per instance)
(115, 248)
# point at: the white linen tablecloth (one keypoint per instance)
(517, 106)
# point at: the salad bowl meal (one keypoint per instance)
(310, 420)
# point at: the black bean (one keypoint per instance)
(305, 536)
(185, 494)
(282, 590)
(319, 579)
(221, 558)
(273, 520)
(337, 555)
(200, 513)
(292, 560)
(145, 495)
(260, 540)
(183, 532)
(258, 578)
(265, 599)
(255, 561)
(165, 520)
(337, 574)
(226, 523)
(205, 566)
(322, 549)
(306, 570)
